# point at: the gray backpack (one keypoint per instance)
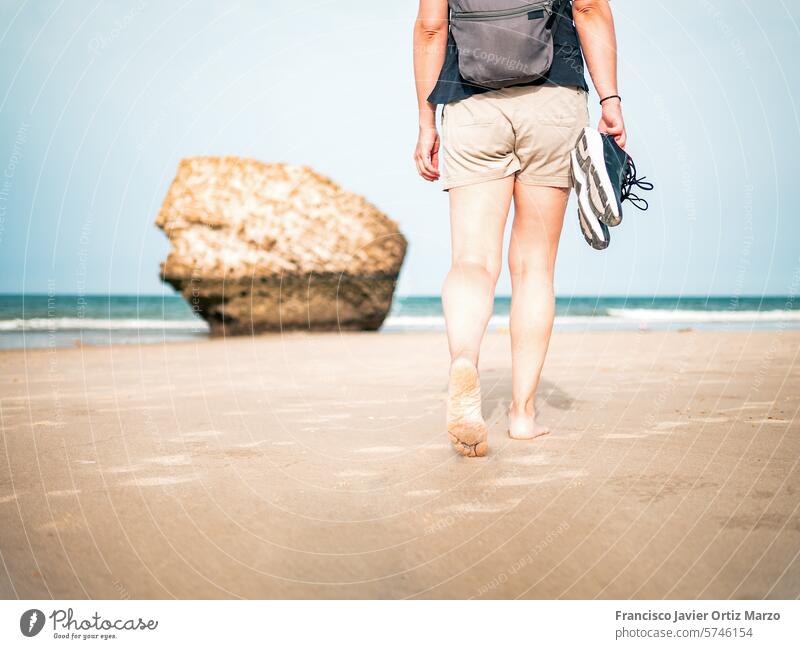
(500, 44)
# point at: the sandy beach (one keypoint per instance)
(317, 466)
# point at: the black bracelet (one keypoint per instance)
(610, 97)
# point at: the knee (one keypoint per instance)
(488, 267)
(516, 265)
(522, 266)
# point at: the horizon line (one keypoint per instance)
(435, 295)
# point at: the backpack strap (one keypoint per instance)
(559, 8)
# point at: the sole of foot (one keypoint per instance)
(465, 424)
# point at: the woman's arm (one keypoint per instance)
(595, 26)
(430, 45)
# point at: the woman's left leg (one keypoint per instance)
(478, 216)
(538, 219)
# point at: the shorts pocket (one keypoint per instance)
(472, 111)
(477, 147)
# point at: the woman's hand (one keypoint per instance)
(426, 154)
(612, 121)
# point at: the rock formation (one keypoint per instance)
(271, 247)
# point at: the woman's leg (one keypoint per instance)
(478, 216)
(538, 219)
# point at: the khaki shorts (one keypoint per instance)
(526, 130)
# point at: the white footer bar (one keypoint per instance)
(388, 624)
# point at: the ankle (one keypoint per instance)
(523, 410)
(464, 358)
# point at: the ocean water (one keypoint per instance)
(67, 320)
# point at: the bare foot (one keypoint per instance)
(465, 424)
(525, 426)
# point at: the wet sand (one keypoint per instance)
(318, 466)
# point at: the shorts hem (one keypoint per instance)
(563, 182)
(477, 178)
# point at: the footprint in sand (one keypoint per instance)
(525, 480)
(664, 425)
(197, 435)
(355, 474)
(125, 468)
(520, 480)
(164, 460)
(158, 481)
(170, 460)
(753, 405)
(435, 445)
(379, 450)
(325, 418)
(624, 436)
(423, 493)
(480, 508)
(202, 434)
(252, 444)
(529, 460)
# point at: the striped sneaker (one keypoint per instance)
(610, 176)
(593, 229)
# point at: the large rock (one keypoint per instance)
(273, 247)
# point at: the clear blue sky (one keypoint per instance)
(100, 100)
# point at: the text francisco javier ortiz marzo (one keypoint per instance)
(696, 616)
(65, 620)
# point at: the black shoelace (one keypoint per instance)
(630, 181)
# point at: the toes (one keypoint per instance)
(476, 449)
(467, 450)
(469, 440)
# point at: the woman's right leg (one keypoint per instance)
(478, 216)
(538, 221)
